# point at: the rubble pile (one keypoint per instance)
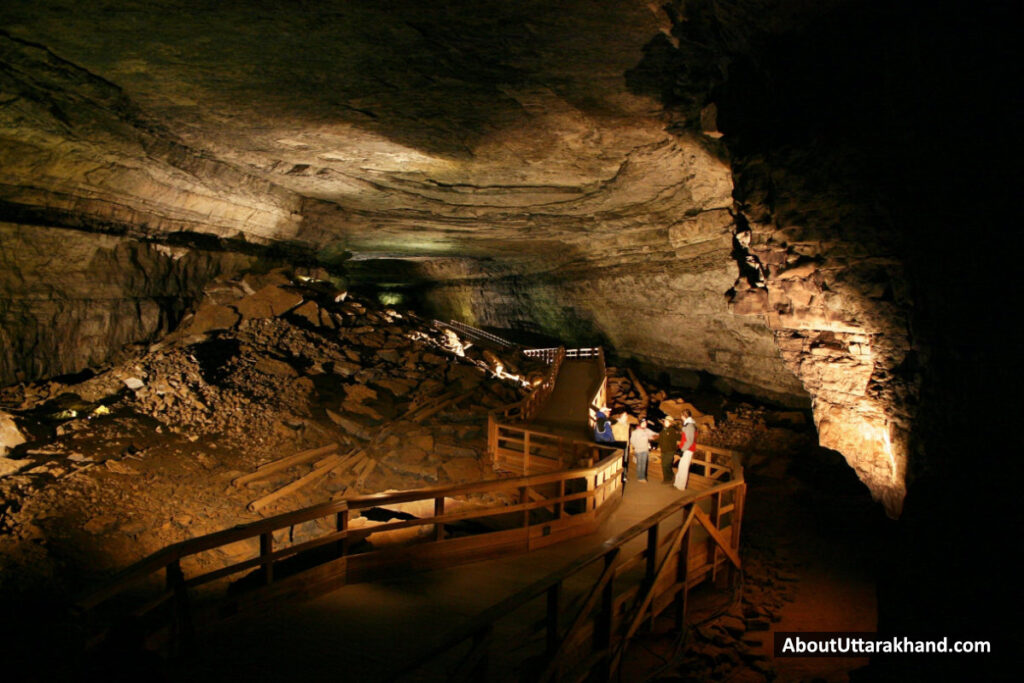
(733, 645)
(144, 452)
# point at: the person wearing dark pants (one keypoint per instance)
(667, 442)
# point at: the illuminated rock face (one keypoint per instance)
(839, 314)
(607, 176)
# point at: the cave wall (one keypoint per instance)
(666, 308)
(742, 176)
(70, 299)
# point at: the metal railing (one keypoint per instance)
(476, 333)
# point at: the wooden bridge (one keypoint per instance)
(625, 559)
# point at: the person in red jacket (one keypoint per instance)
(687, 444)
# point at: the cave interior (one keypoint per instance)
(805, 207)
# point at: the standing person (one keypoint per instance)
(603, 426)
(668, 441)
(641, 443)
(687, 444)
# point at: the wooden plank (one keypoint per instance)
(720, 540)
(425, 412)
(260, 503)
(283, 463)
(595, 594)
(639, 610)
(367, 471)
(350, 461)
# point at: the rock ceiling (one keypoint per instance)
(555, 166)
(409, 116)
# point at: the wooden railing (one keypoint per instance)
(526, 409)
(516, 448)
(527, 451)
(476, 333)
(546, 355)
(600, 397)
(320, 548)
(627, 582)
(592, 352)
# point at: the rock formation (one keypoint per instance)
(694, 185)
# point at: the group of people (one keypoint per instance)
(673, 441)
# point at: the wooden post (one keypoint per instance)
(683, 575)
(523, 499)
(652, 552)
(266, 548)
(652, 564)
(716, 504)
(181, 633)
(603, 624)
(493, 440)
(590, 487)
(554, 596)
(438, 511)
(341, 524)
(526, 452)
(559, 507)
(481, 642)
(739, 494)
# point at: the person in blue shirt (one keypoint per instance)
(603, 426)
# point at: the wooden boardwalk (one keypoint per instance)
(567, 563)
(364, 632)
(568, 410)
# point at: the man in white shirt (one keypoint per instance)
(640, 440)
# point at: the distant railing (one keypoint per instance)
(516, 448)
(319, 548)
(527, 409)
(546, 355)
(476, 333)
(628, 581)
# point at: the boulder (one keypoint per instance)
(353, 424)
(311, 312)
(463, 470)
(676, 406)
(276, 368)
(398, 387)
(211, 316)
(10, 435)
(453, 451)
(269, 302)
(388, 355)
(8, 466)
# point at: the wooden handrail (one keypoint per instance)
(263, 529)
(608, 552)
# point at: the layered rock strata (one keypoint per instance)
(570, 168)
(69, 300)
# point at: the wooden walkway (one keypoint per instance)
(365, 632)
(567, 412)
(565, 537)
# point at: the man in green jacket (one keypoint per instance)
(668, 440)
